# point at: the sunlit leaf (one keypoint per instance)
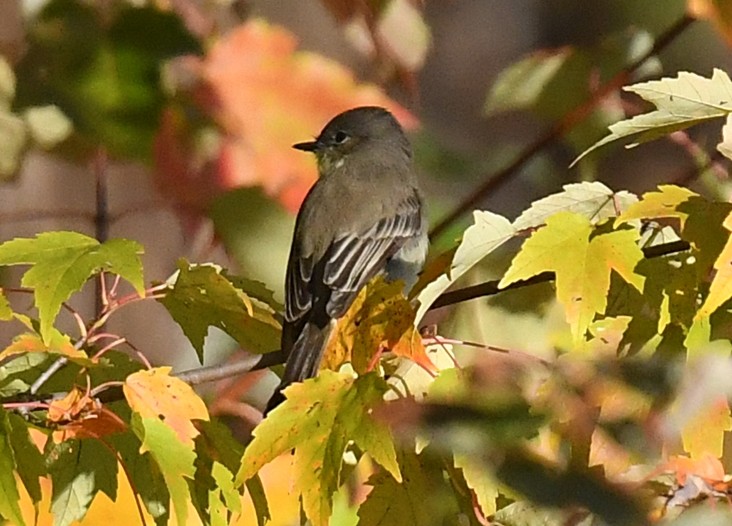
(318, 419)
(662, 203)
(9, 496)
(488, 232)
(155, 394)
(593, 200)
(379, 318)
(582, 265)
(58, 343)
(61, 262)
(80, 469)
(680, 102)
(721, 288)
(174, 458)
(480, 480)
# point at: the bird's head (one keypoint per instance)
(353, 131)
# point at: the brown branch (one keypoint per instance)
(567, 123)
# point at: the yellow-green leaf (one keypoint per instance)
(61, 262)
(582, 265)
(487, 233)
(318, 419)
(663, 203)
(721, 288)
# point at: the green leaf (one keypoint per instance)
(582, 265)
(593, 200)
(102, 71)
(203, 297)
(318, 419)
(79, 470)
(225, 482)
(17, 374)
(30, 463)
(555, 83)
(480, 481)
(61, 262)
(6, 312)
(145, 476)
(420, 498)
(680, 102)
(216, 440)
(9, 496)
(259, 500)
(524, 513)
(488, 232)
(520, 85)
(173, 457)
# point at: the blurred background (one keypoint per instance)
(170, 122)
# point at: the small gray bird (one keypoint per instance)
(362, 217)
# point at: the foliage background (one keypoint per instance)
(458, 147)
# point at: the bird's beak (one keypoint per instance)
(307, 146)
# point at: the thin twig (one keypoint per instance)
(567, 123)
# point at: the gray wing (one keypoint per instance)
(327, 287)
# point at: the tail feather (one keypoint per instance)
(303, 361)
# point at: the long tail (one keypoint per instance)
(303, 361)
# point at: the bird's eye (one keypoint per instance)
(340, 137)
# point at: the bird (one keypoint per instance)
(363, 217)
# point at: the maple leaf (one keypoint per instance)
(721, 288)
(203, 296)
(488, 232)
(265, 96)
(318, 419)
(174, 457)
(680, 102)
(155, 394)
(582, 265)
(379, 318)
(61, 262)
(662, 203)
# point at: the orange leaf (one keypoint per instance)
(265, 96)
(70, 406)
(29, 342)
(155, 394)
(379, 319)
(79, 416)
(704, 434)
(707, 467)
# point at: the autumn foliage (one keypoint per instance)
(619, 416)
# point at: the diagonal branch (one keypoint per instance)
(559, 129)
